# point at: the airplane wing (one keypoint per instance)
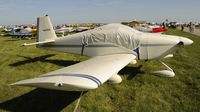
(82, 76)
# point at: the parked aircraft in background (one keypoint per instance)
(111, 47)
(81, 29)
(23, 33)
(65, 29)
(62, 30)
(151, 29)
(7, 29)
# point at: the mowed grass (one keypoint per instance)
(140, 91)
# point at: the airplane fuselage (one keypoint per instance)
(94, 43)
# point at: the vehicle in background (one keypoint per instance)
(172, 25)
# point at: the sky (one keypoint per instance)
(98, 11)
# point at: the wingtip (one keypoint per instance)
(21, 83)
(11, 84)
(15, 84)
(24, 44)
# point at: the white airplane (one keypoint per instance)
(23, 33)
(64, 29)
(111, 47)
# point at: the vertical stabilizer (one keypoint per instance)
(45, 29)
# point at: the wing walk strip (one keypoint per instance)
(94, 79)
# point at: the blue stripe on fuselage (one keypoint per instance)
(137, 50)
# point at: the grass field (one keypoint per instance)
(140, 91)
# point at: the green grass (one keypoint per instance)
(140, 91)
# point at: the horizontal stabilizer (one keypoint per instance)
(37, 43)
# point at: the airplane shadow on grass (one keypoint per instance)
(43, 58)
(131, 71)
(41, 100)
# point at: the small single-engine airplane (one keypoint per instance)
(151, 29)
(111, 47)
(23, 33)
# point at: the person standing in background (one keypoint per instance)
(182, 27)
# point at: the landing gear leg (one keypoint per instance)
(165, 73)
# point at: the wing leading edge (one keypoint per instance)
(82, 76)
